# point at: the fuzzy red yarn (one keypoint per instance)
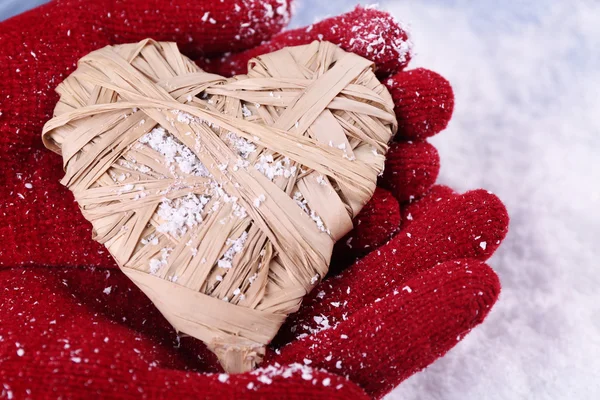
(411, 169)
(424, 102)
(371, 33)
(377, 222)
(73, 326)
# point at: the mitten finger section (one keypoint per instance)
(414, 210)
(404, 330)
(368, 32)
(376, 223)
(471, 225)
(75, 333)
(198, 27)
(423, 100)
(411, 169)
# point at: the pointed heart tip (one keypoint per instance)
(238, 356)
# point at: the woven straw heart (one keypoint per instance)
(222, 198)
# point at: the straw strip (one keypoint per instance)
(222, 198)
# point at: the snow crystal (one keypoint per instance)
(252, 278)
(156, 264)
(548, 263)
(260, 199)
(174, 152)
(322, 324)
(303, 204)
(180, 214)
(269, 8)
(238, 210)
(266, 374)
(246, 112)
(152, 239)
(242, 146)
(235, 246)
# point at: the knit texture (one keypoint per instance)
(424, 102)
(377, 222)
(412, 168)
(73, 326)
(370, 33)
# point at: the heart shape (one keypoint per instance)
(222, 198)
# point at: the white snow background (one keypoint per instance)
(526, 126)
(526, 76)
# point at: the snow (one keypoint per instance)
(272, 168)
(525, 126)
(266, 374)
(303, 204)
(243, 147)
(157, 263)
(174, 151)
(180, 214)
(259, 200)
(235, 246)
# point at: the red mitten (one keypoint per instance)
(38, 208)
(69, 329)
(407, 303)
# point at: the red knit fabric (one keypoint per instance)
(64, 336)
(371, 33)
(377, 222)
(424, 102)
(73, 326)
(453, 228)
(415, 209)
(411, 169)
(411, 324)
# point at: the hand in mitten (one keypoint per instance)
(82, 330)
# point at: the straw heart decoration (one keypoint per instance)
(222, 198)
